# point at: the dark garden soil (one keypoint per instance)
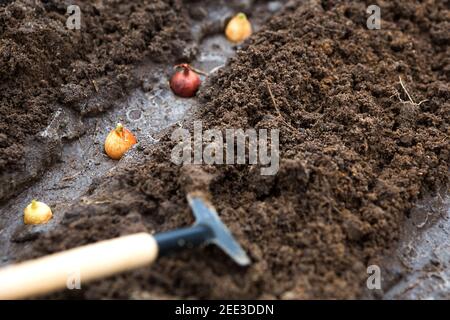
(43, 63)
(356, 153)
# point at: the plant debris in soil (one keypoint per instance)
(355, 154)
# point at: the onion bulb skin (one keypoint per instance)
(118, 142)
(37, 213)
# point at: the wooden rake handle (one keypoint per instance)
(86, 263)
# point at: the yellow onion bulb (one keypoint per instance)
(238, 28)
(119, 141)
(37, 213)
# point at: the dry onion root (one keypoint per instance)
(37, 213)
(238, 28)
(119, 141)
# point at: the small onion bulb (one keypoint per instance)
(37, 213)
(185, 82)
(238, 28)
(119, 141)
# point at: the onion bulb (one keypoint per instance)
(185, 82)
(118, 142)
(238, 28)
(37, 213)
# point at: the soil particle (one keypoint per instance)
(355, 156)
